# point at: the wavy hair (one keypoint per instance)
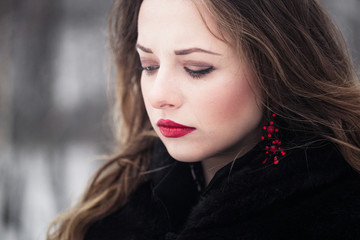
(302, 67)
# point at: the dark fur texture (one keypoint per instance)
(311, 194)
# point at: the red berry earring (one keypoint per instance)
(272, 144)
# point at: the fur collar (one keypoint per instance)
(308, 183)
(311, 194)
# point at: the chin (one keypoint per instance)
(184, 155)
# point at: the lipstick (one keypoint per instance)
(172, 129)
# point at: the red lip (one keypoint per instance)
(172, 129)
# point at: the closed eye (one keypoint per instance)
(150, 69)
(199, 73)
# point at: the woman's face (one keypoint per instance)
(195, 87)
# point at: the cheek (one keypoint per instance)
(233, 103)
(144, 93)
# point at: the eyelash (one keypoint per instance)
(149, 70)
(199, 73)
(194, 74)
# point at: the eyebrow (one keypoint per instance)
(144, 49)
(179, 52)
(192, 50)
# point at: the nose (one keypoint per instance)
(164, 91)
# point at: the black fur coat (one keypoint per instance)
(311, 194)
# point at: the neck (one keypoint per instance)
(215, 163)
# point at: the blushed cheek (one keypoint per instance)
(234, 102)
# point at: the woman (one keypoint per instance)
(240, 120)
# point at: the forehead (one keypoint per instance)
(177, 22)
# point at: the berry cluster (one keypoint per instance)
(272, 144)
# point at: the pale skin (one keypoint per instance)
(194, 79)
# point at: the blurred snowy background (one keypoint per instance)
(53, 108)
(53, 104)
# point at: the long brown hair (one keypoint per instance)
(302, 67)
